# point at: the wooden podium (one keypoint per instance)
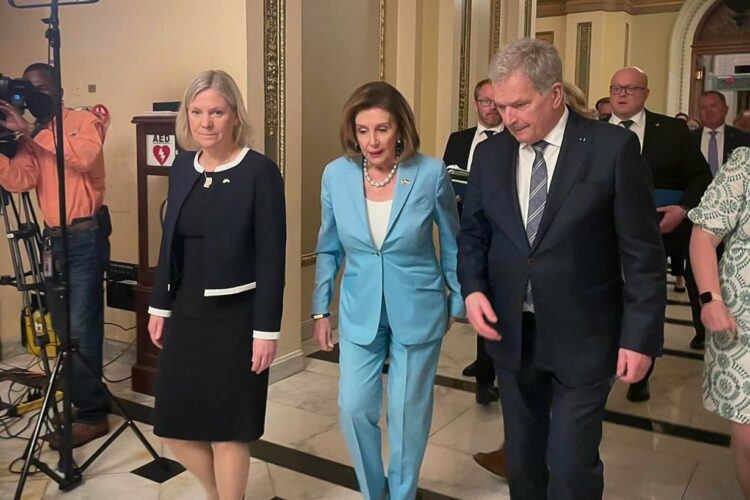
(156, 148)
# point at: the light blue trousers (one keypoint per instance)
(411, 376)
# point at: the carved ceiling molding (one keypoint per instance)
(719, 27)
(552, 8)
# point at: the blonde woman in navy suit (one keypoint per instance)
(380, 202)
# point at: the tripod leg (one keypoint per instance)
(49, 397)
(128, 420)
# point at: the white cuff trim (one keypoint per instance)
(216, 292)
(164, 313)
(258, 334)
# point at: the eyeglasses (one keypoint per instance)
(486, 103)
(616, 90)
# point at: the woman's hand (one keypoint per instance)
(322, 333)
(156, 329)
(716, 317)
(264, 352)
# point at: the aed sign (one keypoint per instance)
(160, 150)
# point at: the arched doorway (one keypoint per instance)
(721, 46)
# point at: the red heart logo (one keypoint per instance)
(161, 153)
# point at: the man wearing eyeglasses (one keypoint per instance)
(677, 166)
(459, 152)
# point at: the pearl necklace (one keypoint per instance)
(383, 182)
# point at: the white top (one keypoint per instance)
(706, 136)
(638, 126)
(378, 213)
(526, 161)
(479, 136)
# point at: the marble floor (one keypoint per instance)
(667, 448)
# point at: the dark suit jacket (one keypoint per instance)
(675, 162)
(458, 147)
(245, 243)
(597, 264)
(733, 138)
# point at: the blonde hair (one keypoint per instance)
(222, 83)
(384, 96)
(576, 99)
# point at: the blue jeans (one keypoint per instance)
(87, 260)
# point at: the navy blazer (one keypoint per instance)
(244, 245)
(597, 263)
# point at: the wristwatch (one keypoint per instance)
(708, 297)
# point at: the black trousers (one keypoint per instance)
(552, 431)
(484, 366)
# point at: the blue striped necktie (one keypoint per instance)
(537, 200)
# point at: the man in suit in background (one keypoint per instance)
(603, 108)
(742, 122)
(715, 138)
(561, 268)
(459, 151)
(675, 163)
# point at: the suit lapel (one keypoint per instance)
(406, 177)
(505, 194)
(575, 142)
(650, 130)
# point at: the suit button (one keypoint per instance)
(377, 253)
(530, 262)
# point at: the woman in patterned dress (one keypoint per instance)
(724, 216)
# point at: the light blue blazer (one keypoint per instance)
(405, 270)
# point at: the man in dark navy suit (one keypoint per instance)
(562, 270)
(459, 151)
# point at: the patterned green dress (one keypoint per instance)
(725, 211)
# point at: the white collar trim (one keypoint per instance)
(223, 166)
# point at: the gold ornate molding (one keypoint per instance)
(527, 8)
(583, 56)
(551, 8)
(463, 82)
(381, 45)
(274, 41)
(495, 26)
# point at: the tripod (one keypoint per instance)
(72, 474)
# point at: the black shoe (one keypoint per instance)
(639, 392)
(486, 394)
(698, 343)
(470, 370)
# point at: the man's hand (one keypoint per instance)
(632, 366)
(13, 119)
(673, 215)
(480, 312)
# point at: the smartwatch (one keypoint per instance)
(708, 297)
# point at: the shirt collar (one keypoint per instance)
(638, 119)
(481, 128)
(719, 130)
(555, 136)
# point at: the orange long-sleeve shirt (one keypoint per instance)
(35, 166)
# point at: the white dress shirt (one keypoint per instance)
(706, 136)
(378, 213)
(638, 126)
(479, 136)
(526, 161)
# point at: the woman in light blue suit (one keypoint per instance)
(380, 202)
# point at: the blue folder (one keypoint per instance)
(665, 197)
